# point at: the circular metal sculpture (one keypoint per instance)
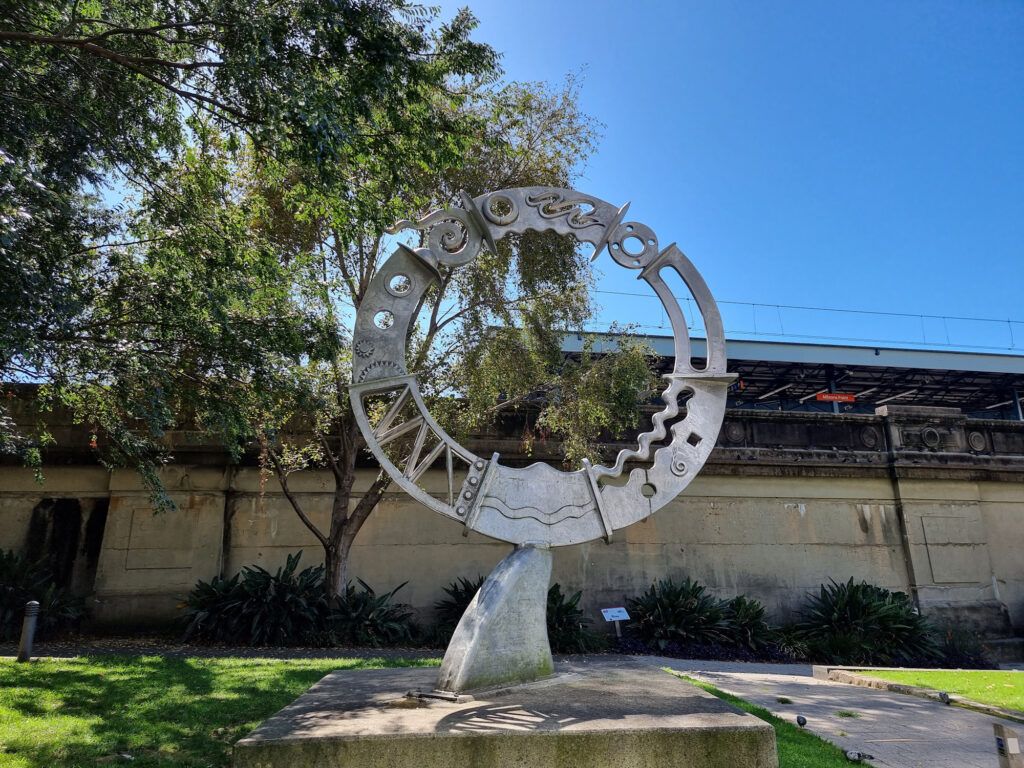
(535, 505)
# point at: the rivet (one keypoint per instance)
(467, 495)
(479, 464)
(474, 480)
(460, 511)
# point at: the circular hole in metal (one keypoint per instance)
(650, 242)
(647, 490)
(399, 285)
(630, 245)
(384, 320)
(629, 227)
(615, 246)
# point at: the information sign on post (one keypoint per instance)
(616, 614)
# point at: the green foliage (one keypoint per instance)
(849, 623)
(791, 641)
(449, 611)
(257, 607)
(961, 648)
(747, 625)
(260, 149)
(364, 618)
(22, 580)
(172, 302)
(681, 613)
(568, 626)
(212, 611)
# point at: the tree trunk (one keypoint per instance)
(345, 525)
(336, 565)
(338, 545)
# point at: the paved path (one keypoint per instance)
(900, 731)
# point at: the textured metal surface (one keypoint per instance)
(536, 504)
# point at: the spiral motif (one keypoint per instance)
(453, 238)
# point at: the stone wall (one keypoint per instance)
(787, 501)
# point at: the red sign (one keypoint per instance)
(836, 397)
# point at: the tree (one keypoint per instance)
(100, 101)
(490, 332)
(259, 151)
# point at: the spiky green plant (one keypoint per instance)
(682, 613)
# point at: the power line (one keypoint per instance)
(825, 309)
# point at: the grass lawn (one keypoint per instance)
(797, 748)
(1000, 688)
(163, 712)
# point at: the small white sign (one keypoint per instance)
(615, 614)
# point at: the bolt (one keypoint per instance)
(460, 511)
(479, 464)
(467, 495)
(474, 480)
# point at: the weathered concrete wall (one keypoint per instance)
(787, 502)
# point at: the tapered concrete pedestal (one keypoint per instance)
(502, 638)
(611, 713)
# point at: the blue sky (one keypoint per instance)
(865, 156)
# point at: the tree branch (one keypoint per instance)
(104, 53)
(368, 502)
(282, 478)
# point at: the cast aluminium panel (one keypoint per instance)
(536, 504)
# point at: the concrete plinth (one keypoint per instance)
(607, 714)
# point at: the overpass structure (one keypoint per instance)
(789, 376)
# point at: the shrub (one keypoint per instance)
(848, 623)
(22, 580)
(257, 607)
(681, 613)
(567, 624)
(366, 618)
(961, 648)
(212, 611)
(791, 642)
(746, 623)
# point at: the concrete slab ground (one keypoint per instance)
(599, 713)
(900, 731)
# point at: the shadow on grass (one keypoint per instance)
(161, 711)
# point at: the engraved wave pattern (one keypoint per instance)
(560, 515)
(643, 452)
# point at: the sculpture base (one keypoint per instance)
(603, 714)
(502, 637)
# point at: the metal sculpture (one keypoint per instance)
(536, 506)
